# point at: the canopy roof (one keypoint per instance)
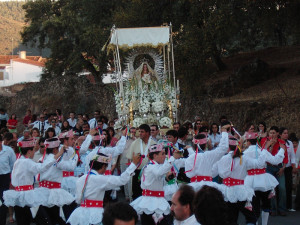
(137, 37)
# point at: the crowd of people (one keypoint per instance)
(69, 170)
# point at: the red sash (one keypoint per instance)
(232, 182)
(91, 203)
(153, 193)
(24, 188)
(201, 178)
(49, 184)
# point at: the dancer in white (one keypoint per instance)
(152, 206)
(263, 183)
(198, 165)
(91, 188)
(25, 196)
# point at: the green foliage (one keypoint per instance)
(203, 31)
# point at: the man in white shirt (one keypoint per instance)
(93, 122)
(72, 121)
(41, 125)
(182, 208)
(154, 131)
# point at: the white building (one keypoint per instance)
(20, 69)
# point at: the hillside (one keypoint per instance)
(11, 24)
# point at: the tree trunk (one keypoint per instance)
(219, 63)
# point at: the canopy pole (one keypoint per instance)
(116, 69)
(164, 52)
(173, 67)
(120, 75)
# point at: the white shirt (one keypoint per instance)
(206, 160)
(97, 184)
(93, 123)
(4, 117)
(214, 139)
(291, 153)
(55, 172)
(39, 125)
(25, 169)
(189, 221)
(113, 151)
(7, 159)
(73, 122)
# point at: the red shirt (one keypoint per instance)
(12, 124)
(275, 149)
(26, 120)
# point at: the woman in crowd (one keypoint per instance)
(12, 123)
(65, 126)
(214, 136)
(262, 129)
(50, 133)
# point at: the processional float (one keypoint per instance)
(146, 90)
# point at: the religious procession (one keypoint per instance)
(146, 166)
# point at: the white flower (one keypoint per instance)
(165, 122)
(158, 106)
(137, 122)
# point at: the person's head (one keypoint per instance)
(176, 126)
(273, 132)
(283, 132)
(182, 203)
(28, 112)
(99, 162)
(295, 142)
(183, 133)
(42, 145)
(35, 132)
(7, 138)
(72, 115)
(251, 138)
(111, 123)
(13, 116)
(53, 123)
(106, 141)
(104, 119)
(97, 114)
(58, 112)
(79, 116)
(52, 145)
(50, 133)
(214, 128)
(197, 124)
(209, 206)
(42, 117)
(85, 117)
(26, 147)
(111, 131)
(172, 136)
(222, 118)
(26, 134)
(145, 68)
(119, 213)
(200, 140)
(203, 129)
(144, 131)
(80, 122)
(66, 124)
(262, 127)
(132, 131)
(154, 130)
(157, 153)
(100, 124)
(249, 127)
(85, 126)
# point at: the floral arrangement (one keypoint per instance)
(165, 122)
(137, 122)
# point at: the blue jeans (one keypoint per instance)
(279, 202)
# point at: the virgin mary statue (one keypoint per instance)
(145, 74)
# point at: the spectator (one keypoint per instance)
(176, 126)
(214, 136)
(210, 207)
(93, 122)
(154, 131)
(50, 133)
(119, 214)
(72, 120)
(12, 123)
(182, 206)
(3, 118)
(112, 133)
(27, 118)
(262, 129)
(59, 115)
(41, 125)
(197, 126)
